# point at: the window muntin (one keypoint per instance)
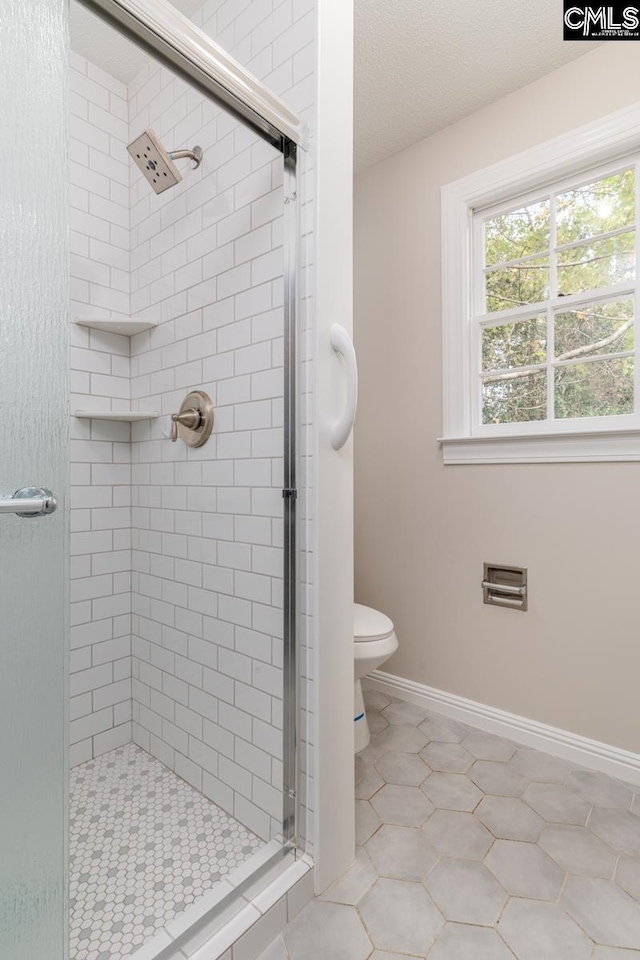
(521, 343)
(594, 208)
(554, 295)
(606, 326)
(517, 234)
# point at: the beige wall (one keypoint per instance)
(423, 530)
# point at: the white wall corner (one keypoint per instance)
(334, 771)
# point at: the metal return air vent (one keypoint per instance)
(505, 586)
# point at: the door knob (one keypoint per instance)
(29, 502)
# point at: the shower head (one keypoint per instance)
(156, 163)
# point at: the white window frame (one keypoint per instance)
(606, 145)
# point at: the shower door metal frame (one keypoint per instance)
(169, 36)
(177, 43)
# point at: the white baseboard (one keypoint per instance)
(567, 746)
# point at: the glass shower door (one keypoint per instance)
(33, 453)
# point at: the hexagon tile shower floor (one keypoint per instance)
(144, 845)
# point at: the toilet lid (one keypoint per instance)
(370, 624)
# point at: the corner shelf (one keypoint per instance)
(123, 416)
(127, 327)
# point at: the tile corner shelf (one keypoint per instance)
(124, 416)
(126, 327)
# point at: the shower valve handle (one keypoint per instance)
(193, 422)
(190, 418)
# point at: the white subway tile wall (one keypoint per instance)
(100, 682)
(185, 629)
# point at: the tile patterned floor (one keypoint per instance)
(144, 845)
(472, 848)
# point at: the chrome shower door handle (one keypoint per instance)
(343, 344)
(30, 502)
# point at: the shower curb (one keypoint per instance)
(245, 929)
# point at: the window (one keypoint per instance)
(555, 299)
(539, 291)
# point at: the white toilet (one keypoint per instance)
(374, 642)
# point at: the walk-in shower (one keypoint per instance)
(159, 627)
(184, 743)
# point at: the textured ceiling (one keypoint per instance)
(423, 64)
(105, 47)
(420, 64)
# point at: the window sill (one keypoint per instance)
(584, 447)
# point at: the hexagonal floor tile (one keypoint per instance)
(538, 766)
(369, 785)
(525, 870)
(400, 916)
(324, 930)
(628, 876)
(457, 835)
(444, 730)
(384, 955)
(375, 700)
(486, 746)
(276, 951)
(397, 738)
(401, 853)
(404, 806)
(452, 791)
(370, 753)
(377, 722)
(600, 790)
(556, 803)
(368, 780)
(458, 942)
(542, 931)
(612, 953)
(607, 914)
(406, 769)
(509, 818)
(619, 828)
(578, 851)
(408, 713)
(367, 821)
(498, 779)
(362, 765)
(466, 892)
(351, 887)
(447, 757)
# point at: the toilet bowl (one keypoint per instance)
(374, 642)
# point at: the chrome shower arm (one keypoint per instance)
(195, 155)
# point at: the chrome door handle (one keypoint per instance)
(29, 502)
